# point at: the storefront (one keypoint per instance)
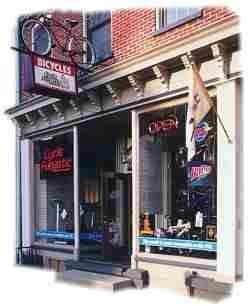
(113, 181)
(93, 159)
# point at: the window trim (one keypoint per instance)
(136, 254)
(176, 24)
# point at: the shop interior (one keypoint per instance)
(177, 196)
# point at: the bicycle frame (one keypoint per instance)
(72, 46)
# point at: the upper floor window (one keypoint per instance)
(99, 34)
(167, 18)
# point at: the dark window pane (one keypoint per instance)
(96, 19)
(40, 40)
(101, 41)
(99, 34)
(26, 72)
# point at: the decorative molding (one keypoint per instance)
(137, 85)
(188, 59)
(162, 74)
(114, 93)
(75, 106)
(43, 115)
(17, 123)
(220, 54)
(58, 110)
(94, 98)
(29, 119)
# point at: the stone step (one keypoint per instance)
(96, 280)
(95, 267)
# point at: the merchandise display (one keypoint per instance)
(178, 214)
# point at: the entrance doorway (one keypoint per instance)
(117, 216)
(105, 189)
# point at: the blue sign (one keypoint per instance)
(95, 236)
(197, 245)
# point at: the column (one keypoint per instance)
(27, 192)
(18, 194)
(135, 188)
(76, 195)
(226, 182)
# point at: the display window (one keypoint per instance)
(177, 198)
(54, 191)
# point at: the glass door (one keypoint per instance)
(116, 216)
(91, 225)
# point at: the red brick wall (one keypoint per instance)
(61, 34)
(132, 30)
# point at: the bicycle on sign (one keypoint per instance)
(39, 35)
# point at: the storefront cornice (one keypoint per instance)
(30, 105)
(150, 100)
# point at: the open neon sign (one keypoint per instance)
(165, 126)
(55, 161)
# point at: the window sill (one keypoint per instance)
(52, 246)
(185, 262)
(102, 61)
(176, 24)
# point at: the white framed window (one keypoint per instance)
(166, 196)
(167, 18)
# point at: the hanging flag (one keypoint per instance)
(201, 101)
(199, 105)
(190, 141)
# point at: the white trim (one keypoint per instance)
(157, 18)
(27, 192)
(76, 194)
(135, 188)
(226, 181)
(178, 259)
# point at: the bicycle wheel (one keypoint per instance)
(81, 52)
(36, 37)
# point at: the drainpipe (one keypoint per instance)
(18, 155)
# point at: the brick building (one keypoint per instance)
(130, 194)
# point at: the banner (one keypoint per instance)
(198, 106)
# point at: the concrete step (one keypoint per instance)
(96, 280)
(95, 266)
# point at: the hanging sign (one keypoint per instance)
(200, 173)
(165, 126)
(53, 77)
(55, 161)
